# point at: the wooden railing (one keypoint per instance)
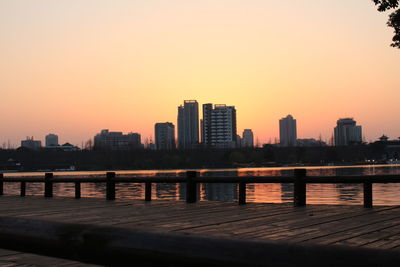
(300, 181)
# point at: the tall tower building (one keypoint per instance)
(219, 126)
(181, 127)
(287, 131)
(347, 132)
(51, 140)
(206, 125)
(165, 135)
(248, 138)
(188, 124)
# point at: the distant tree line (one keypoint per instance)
(268, 155)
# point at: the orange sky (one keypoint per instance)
(76, 67)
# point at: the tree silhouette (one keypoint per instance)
(394, 18)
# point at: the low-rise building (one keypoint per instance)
(164, 135)
(51, 140)
(248, 138)
(107, 140)
(31, 143)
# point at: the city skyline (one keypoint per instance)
(218, 121)
(216, 128)
(76, 68)
(151, 138)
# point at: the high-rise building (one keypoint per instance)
(287, 131)
(219, 126)
(165, 135)
(31, 144)
(188, 124)
(238, 141)
(248, 138)
(206, 125)
(181, 127)
(51, 140)
(347, 132)
(107, 140)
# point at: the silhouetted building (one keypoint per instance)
(165, 135)
(383, 138)
(51, 140)
(31, 144)
(206, 125)
(68, 147)
(248, 138)
(347, 132)
(308, 142)
(238, 141)
(287, 131)
(181, 129)
(388, 150)
(107, 140)
(188, 124)
(219, 126)
(201, 131)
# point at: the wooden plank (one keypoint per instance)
(264, 223)
(308, 224)
(27, 259)
(378, 238)
(336, 227)
(140, 210)
(357, 231)
(63, 212)
(164, 218)
(213, 218)
(392, 242)
(236, 227)
(297, 220)
(322, 224)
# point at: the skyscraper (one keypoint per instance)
(248, 138)
(51, 140)
(165, 135)
(181, 127)
(287, 131)
(347, 132)
(188, 124)
(219, 126)
(206, 125)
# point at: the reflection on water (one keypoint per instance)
(384, 194)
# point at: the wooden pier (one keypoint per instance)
(114, 232)
(352, 226)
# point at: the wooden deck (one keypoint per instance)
(315, 224)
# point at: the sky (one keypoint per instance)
(75, 67)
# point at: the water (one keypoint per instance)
(349, 194)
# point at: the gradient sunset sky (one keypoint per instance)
(75, 67)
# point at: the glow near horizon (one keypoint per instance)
(76, 67)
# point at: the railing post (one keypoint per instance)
(242, 193)
(48, 185)
(23, 189)
(77, 190)
(367, 195)
(110, 186)
(147, 191)
(191, 190)
(1, 184)
(300, 187)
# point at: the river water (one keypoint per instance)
(348, 194)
